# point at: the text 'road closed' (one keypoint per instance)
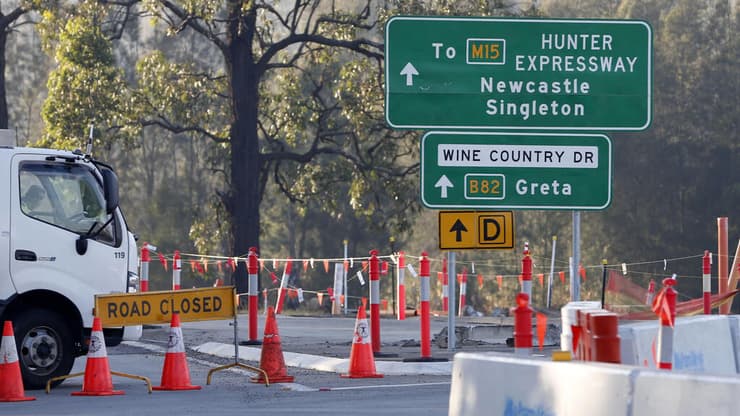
(158, 307)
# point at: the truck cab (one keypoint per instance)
(63, 239)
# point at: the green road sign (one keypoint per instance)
(486, 73)
(467, 170)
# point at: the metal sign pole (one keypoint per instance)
(451, 336)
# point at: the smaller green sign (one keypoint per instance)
(466, 170)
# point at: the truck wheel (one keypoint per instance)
(45, 347)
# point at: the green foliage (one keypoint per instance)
(179, 97)
(85, 88)
(330, 169)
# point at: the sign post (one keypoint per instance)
(543, 74)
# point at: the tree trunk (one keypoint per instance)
(244, 201)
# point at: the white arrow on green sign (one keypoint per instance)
(466, 170)
(492, 73)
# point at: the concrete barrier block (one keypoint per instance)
(734, 322)
(495, 384)
(682, 394)
(702, 344)
(627, 347)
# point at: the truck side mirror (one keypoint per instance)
(110, 189)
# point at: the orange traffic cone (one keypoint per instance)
(11, 388)
(175, 374)
(271, 360)
(361, 360)
(98, 380)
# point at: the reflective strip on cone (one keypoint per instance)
(7, 350)
(362, 332)
(97, 346)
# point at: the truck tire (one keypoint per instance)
(45, 347)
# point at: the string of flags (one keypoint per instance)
(201, 264)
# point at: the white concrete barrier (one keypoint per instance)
(735, 331)
(497, 384)
(701, 344)
(682, 394)
(492, 384)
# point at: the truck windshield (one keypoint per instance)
(68, 196)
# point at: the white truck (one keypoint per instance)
(63, 240)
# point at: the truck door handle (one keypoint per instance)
(25, 255)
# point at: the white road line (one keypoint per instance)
(441, 383)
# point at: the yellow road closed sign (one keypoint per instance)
(204, 304)
(476, 230)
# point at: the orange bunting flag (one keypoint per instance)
(321, 298)
(364, 265)
(163, 261)
(292, 293)
(262, 265)
(562, 277)
(499, 281)
(582, 271)
(274, 278)
(230, 264)
(305, 266)
(480, 281)
(205, 265)
(346, 266)
(383, 267)
(541, 329)
(192, 265)
(326, 265)
(330, 292)
(220, 268)
(521, 279)
(459, 278)
(541, 278)
(341, 299)
(440, 276)
(199, 267)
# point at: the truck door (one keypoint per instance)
(55, 201)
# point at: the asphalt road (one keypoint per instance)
(313, 392)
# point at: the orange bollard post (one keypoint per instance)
(283, 291)
(374, 302)
(253, 291)
(463, 279)
(527, 272)
(144, 274)
(706, 280)
(522, 326)
(665, 307)
(650, 293)
(176, 267)
(401, 286)
(445, 287)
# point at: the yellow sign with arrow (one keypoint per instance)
(460, 230)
